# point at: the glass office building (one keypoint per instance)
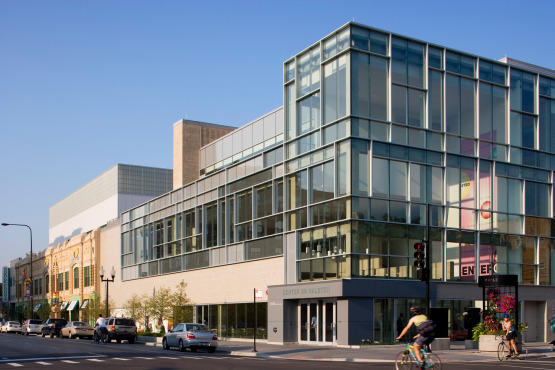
(375, 127)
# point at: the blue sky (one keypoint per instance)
(87, 84)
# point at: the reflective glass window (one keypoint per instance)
(461, 64)
(369, 86)
(407, 62)
(309, 71)
(435, 57)
(335, 89)
(522, 91)
(308, 111)
(360, 168)
(380, 177)
(435, 100)
(522, 130)
(537, 199)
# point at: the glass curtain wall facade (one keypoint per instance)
(376, 128)
(386, 126)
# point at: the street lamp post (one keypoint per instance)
(31, 261)
(107, 280)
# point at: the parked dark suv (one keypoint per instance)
(53, 327)
(120, 328)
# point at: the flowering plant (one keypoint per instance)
(507, 303)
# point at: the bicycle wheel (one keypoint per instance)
(433, 361)
(403, 361)
(502, 351)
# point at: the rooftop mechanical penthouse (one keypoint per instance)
(321, 201)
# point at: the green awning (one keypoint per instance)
(37, 307)
(64, 306)
(85, 304)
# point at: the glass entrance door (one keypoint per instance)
(317, 323)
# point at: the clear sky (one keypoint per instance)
(88, 84)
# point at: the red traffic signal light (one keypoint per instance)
(419, 247)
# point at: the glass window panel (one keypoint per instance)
(360, 38)
(467, 66)
(435, 103)
(398, 212)
(499, 113)
(537, 199)
(433, 141)
(415, 58)
(398, 134)
(415, 108)
(498, 74)
(399, 104)
(545, 125)
(417, 138)
(380, 177)
(309, 71)
(522, 91)
(343, 174)
(467, 108)
(378, 42)
(398, 183)
(485, 70)
(369, 86)
(335, 89)
(379, 210)
(417, 182)
(435, 57)
(486, 110)
(399, 60)
(453, 104)
(360, 170)
(308, 111)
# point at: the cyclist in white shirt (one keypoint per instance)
(101, 326)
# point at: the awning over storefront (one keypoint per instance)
(64, 306)
(85, 304)
(72, 305)
(37, 307)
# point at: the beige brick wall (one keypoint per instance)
(188, 138)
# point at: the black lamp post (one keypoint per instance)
(30, 264)
(113, 274)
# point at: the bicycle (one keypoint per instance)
(406, 359)
(503, 349)
(102, 338)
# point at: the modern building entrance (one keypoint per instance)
(317, 321)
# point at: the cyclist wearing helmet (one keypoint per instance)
(425, 331)
(510, 332)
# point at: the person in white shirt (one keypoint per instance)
(101, 326)
(101, 321)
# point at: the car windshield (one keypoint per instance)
(126, 322)
(196, 327)
(35, 322)
(79, 323)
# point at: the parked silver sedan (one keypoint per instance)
(192, 336)
(77, 329)
(11, 327)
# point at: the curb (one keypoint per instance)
(328, 359)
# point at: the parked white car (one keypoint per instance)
(31, 326)
(192, 336)
(11, 327)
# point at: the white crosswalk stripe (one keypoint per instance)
(145, 358)
(43, 363)
(70, 362)
(14, 364)
(94, 360)
(120, 359)
(168, 358)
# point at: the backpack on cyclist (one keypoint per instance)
(426, 328)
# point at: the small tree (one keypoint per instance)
(160, 306)
(182, 310)
(44, 311)
(133, 307)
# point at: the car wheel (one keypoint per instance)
(165, 344)
(132, 340)
(181, 346)
(211, 350)
(70, 335)
(51, 335)
(193, 349)
(42, 335)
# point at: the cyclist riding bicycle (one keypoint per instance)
(425, 329)
(101, 326)
(510, 333)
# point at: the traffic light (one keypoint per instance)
(422, 271)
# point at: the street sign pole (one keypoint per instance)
(255, 320)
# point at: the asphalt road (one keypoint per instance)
(34, 352)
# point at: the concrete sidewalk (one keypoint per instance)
(370, 353)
